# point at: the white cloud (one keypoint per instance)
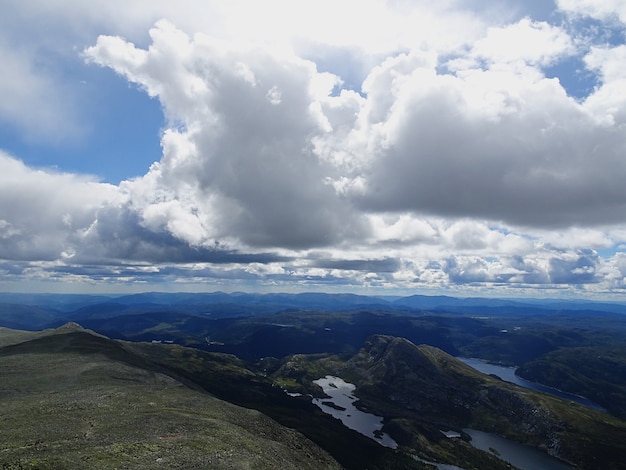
(505, 145)
(532, 43)
(404, 229)
(42, 211)
(608, 102)
(608, 62)
(244, 158)
(602, 10)
(449, 162)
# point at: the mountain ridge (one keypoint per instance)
(73, 399)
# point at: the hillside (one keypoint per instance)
(598, 373)
(421, 390)
(74, 399)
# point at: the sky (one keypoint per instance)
(467, 148)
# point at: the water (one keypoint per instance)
(520, 455)
(508, 375)
(341, 406)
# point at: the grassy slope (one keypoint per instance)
(229, 378)
(70, 399)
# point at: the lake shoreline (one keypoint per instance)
(507, 373)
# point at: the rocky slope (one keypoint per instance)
(72, 399)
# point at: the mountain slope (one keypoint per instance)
(598, 373)
(73, 399)
(421, 390)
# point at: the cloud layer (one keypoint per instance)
(436, 161)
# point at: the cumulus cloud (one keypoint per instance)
(62, 226)
(574, 268)
(506, 145)
(446, 156)
(523, 43)
(41, 210)
(242, 160)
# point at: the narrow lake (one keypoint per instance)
(341, 406)
(508, 375)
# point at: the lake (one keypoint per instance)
(508, 375)
(341, 406)
(520, 455)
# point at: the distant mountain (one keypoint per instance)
(33, 311)
(29, 317)
(494, 305)
(60, 302)
(263, 302)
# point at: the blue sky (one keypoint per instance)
(463, 148)
(119, 128)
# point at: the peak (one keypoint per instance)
(71, 326)
(380, 345)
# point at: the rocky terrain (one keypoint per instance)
(71, 399)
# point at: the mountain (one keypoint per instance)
(36, 311)
(444, 303)
(22, 316)
(75, 399)
(253, 326)
(422, 391)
